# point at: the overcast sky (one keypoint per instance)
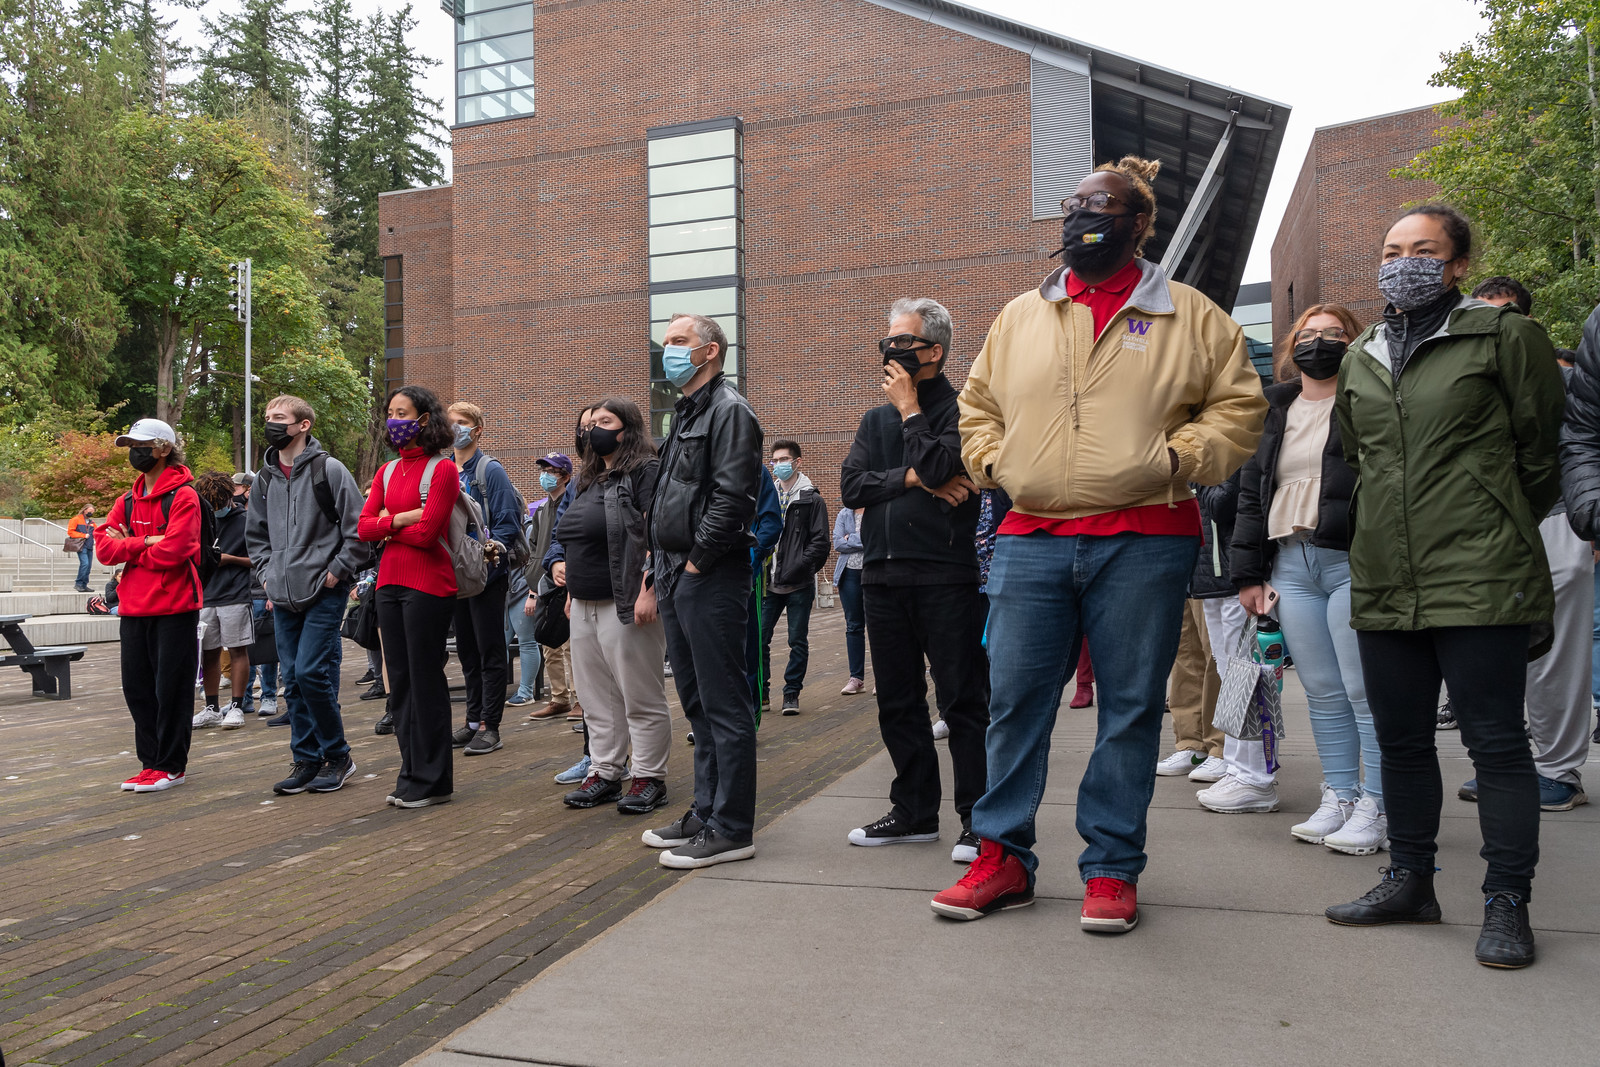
(1329, 62)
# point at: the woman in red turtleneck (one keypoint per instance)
(416, 589)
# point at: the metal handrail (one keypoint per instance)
(50, 554)
(35, 518)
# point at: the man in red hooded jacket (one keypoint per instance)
(153, 533)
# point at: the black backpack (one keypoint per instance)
(209, 557)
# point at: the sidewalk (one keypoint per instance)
(817, 952)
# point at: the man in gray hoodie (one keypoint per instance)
(301, 533)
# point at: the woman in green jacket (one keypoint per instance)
(1449, 409)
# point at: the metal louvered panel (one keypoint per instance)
(1063, 141)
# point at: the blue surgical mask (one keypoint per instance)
(677, 365)
(463, 436)
(783, 471)
(548, 482)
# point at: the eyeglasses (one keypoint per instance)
(904, 342)
(1330, 333)
(1094, 202)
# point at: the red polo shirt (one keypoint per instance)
(1104, 301)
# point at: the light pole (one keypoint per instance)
(241, 310)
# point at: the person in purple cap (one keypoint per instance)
(555, 471)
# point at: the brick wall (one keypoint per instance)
(416, 225)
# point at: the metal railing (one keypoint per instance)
(50, 553)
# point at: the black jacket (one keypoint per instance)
(706, 491)
(911, 524)
(1253, 553)
(1218, 506)
(803, 545)
(1580, 435)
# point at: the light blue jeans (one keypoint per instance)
(528, 653)
(1313, 587)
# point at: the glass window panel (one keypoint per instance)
(395, 338)
(474, 6)
(391, 291)
(391, 267)
(494, 106)
(713, 302)
(689, 236)
(688, 176)
(499, 50)
(691, 146)
(495, 23)
(730, 366)
(394, 314)
(661, 423)
(494, 79)
(694, 265)
(658, 335)
(716, 204)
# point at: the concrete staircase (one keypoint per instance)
(31, 560)
(59, 618)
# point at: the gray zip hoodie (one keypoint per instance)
(291, 542)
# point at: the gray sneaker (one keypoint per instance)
(791, 703)
(707, 850)
(335, 773)
(484, 741)
(676, 833)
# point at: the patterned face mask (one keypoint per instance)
(1411, 281)
(403, 431)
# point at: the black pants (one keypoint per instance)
(705, 619)
(160, 655)
(1486, 669)
(414, 625)
(945, 624)
(482, 649)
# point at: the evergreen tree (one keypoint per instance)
(259, 49)
(337, 109)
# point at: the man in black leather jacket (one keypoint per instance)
(920, 577)
(700, 542)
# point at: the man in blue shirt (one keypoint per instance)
(480, 620)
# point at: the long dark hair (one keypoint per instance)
(436, 435)
(634, 450)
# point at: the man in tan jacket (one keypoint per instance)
(1095, 401)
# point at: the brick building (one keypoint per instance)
(790, 167)
(1326, 249)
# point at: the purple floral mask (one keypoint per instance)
(403, 431)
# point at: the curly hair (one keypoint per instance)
(215, 488)
(1138, 172)
(436, 435)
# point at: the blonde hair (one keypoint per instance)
(471, 411)
(1138, 172)
(300, 409)
(1283, 368)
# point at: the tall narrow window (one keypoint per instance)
(394, 326)
(696, 215)
(494, 59)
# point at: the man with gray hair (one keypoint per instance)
(920, 579)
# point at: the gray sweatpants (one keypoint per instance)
(617, 669)
(1559, 682)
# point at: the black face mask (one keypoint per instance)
(908, 361)
(278, 434)
(1319, 357)
(603, 442)
(142, 458)
(1090, 242)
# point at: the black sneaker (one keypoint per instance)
(594, 790)
(335, 773)
(1447, 716)
(891, 830)
(377, 692)
(384, 726)
(966, 850)
(1402, 897)
(1507, 937)
(644, 796)
(367, 678)
(483, 742)
(462, 735)
(281, 720)
(791, 704)
(301, 775)
(707, 850)
(689, 737)
(674, 834)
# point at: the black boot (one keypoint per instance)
(384, 725)
(1507, 937)
(1402, 897)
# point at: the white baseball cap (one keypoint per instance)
(146, 430)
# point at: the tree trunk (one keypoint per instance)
(166, 357)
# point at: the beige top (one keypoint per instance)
(1305, 436)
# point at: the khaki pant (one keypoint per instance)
(558, 673)
(1192, 688)
(617, 668)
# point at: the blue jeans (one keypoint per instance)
(797, 605)
(1046, 593)
(1313, 585)
(310, 652)
(266, 672)
(85, 561)
(528, 654)
(855, 621)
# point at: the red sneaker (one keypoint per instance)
(995, 881)
(157, 781)
(1083, 697)
(137, 780)
(1110, 906)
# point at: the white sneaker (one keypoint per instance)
(1182, 761)
(267, 707)
(1212, 770)
(1329, 817)
(1230, 796)
(208, 716)
(941, 730)
(232, 716)
(1365, 833)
